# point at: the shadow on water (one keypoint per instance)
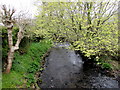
(65, 69)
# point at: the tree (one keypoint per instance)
(9, 21)
(89, 26)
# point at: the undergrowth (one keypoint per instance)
(106, 62)
(25, 66)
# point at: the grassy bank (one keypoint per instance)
(25, 66)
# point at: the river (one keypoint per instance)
(65, 69)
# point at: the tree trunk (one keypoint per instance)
(9, 61)
(11, 51)
(8, 21)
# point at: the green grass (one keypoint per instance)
(25, 66)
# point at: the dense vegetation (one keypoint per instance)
(25, 66)
(88, 26)
(27, 60)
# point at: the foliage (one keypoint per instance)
(88, 26)
(4, 42)
(24, 45)
(33, 35)
(25, 66)
(104, 62)
(106, 66)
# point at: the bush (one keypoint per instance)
(4, 42)
(104, 62)
(106, 66)
(24, 45)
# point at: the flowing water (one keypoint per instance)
(64, 69)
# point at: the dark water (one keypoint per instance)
(64, 69)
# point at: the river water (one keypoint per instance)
(64, 69)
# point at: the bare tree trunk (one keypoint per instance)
(9, 61)
(19, 37)
(11, 51)
(10, 39)
(13, 48)
(8, 21)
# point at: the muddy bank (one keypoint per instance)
(65, 69)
